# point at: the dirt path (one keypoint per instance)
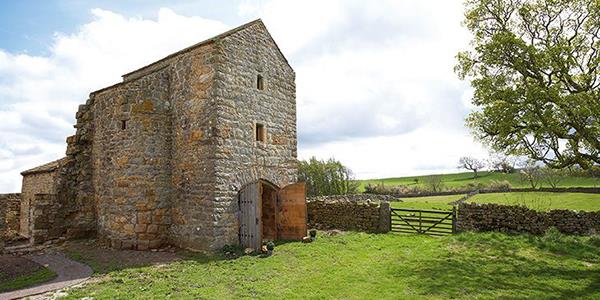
(68, 273)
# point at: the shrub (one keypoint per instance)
(502, 185)
(434, 183)
(552, 176)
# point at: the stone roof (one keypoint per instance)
(45, 168)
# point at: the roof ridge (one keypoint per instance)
(204, 42)
(47, 167)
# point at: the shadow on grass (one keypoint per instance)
(535, 267)
(104, 260)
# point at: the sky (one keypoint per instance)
(375, 82)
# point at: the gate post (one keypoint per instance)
(453, 219)
(385, 217)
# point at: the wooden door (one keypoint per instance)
(249, 216)
(291, 217)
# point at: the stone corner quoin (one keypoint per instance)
(159, 158)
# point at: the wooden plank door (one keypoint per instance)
(249, 217)
(292, 215)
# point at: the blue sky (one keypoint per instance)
(375, 83)
(29, 25)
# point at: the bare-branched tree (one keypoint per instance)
(471, 164)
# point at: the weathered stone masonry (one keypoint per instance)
(363, 212)
(512, 218)
(160, 157)
(9, 215)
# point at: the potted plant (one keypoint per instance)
(270, 248)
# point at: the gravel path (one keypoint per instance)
(69, 273)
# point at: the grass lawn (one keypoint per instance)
(371, 266)
(459, 179)
(540, 201)
(433, 202)
(42, 275)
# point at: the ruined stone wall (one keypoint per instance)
(35, 183)
(131, 161)
(240, 159)
(47, 218)
(506, 218)
(349, 212)
(9, 215)
(194, 132)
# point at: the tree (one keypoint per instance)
(552, 176)
(502, 163)
(434, 182)
(534, 67)
(471, 164)
(530, 172)
(326, 177)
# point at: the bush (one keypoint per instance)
(326, 177)
(502, 185)
(434, 183)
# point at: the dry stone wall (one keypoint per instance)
(504, 218)
(370, 213)
(10, 207)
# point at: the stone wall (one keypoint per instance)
(241, 159)
(193, 142)
(131, 155)
(588, 190)
(370, 213)
(47, 218)
(34, 183)
(504, 218)
(10, 207)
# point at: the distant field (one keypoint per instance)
(534, 200)
(543, 201)
(459, 179)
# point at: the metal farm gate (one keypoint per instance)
(432, 222)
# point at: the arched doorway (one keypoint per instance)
(267, 212)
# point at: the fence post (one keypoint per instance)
(420, 223)
(453, 219)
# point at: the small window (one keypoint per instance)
(260, 82)
(123, 124)
(261, 133)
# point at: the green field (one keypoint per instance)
(375, 266)
(535, 200)
(460, 179)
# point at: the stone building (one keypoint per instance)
(192, 150)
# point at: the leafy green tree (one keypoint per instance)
(328, 177)
(534, 67)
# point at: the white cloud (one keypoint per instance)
(375, 80)
(40, 94)
(375, 84)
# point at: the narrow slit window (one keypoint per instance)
(261, 133)
(260, 82)
(123, 124)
